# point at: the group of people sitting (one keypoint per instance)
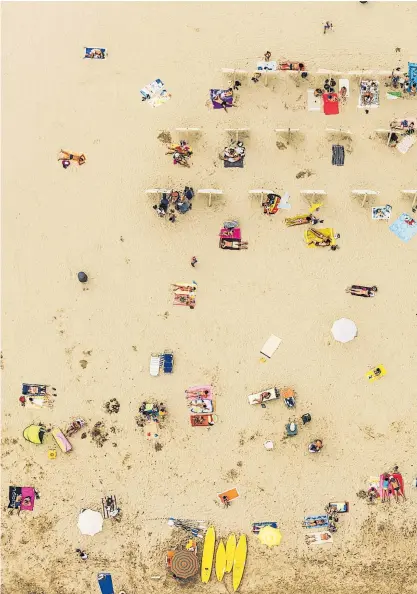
(180, 153)
(181, 201)
(402, 81)
(234, 152)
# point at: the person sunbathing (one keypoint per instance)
(96, 53)
(291, 66)
(183, 148)
(362, 291)
(343, 93)
(315, 446)
(233, 245)
(262, 397)
(232, 154)
(66, 156)
(179, 159)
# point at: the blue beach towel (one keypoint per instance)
(256, 526)
(168, 362)
(412, 73)
(105, 583)
(405, 227)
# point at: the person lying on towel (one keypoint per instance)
(271, 204)
(291, 66)
(362, 291)
(225, 244)
(303, 220)
(183, 148)
(235, 152)
(322, 241)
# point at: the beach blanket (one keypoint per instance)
(368, 94)
(406, 143)
(319, 538)
(219, 95)
(256, 526)
(264, 396)
(153, 88)
(405, 227)
(33, 389)
(330, 103)
(105, 583)
(412, 73)
(392, 95)
(267, 66)
(230, 494)
(338, 155)
(22, 498)
(341, 507)
(202, 420)
(381, 212)
(200, 392)
(95, 53)
(160, 99)
(230, 233)
(400, 480)
(313, 103)
(316, 521)
(313, 241)
(239, 163)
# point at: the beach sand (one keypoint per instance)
(97, 218)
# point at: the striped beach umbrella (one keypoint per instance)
(184, 564)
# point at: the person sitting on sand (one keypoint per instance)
(179, 159)
(315, 446)
(233, 245)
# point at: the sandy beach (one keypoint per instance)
(93, 342)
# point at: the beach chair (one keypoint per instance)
(155, 365)
(168, 361)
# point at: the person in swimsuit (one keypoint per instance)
(66, 156)
(396, 487)
(233, 245)
(385, 485)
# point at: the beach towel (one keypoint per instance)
(341, 507)
(312, 240)
(33, 389)
(264, 396)
(405, 227)
(95, 53)
(338, 155)
(267, 66)
(202, 420)
(392, 95)
(368, 87)
(160, 99)
(61, 440)
(153, 88)
(200, 406)
(256, 526)
(412, 73)
(200, 392)
(155, 365)
(313, 103)
(219, 95)
(330, 103)
(400, 480)
(372, 376)
(105, 583)
(319, 538)
(234, 233)
(230, 494)
(316, 521)
(22, 498)
(381, 212)
(239, 163)
(168, 361)
(271, 346)
(406, 143)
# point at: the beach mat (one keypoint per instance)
(330, 107)
(239, 164)
(320, 538)
(313, 103)
(105, 583)
(412, 72)
(22, 498)
(321, 521)
(405, 227)
(220, 93)
(338, 155)
(230, 494)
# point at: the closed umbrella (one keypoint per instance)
(344, 330)
(90, 522)
(184, 564)
(270, 536)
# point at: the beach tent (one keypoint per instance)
(34, 433)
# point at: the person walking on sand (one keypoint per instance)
(328, 26)
(193, 261)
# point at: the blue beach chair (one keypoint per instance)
(168, 361)
(105, 583)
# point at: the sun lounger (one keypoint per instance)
(330, 103)
(155, 365)
(313, 103)
(168, 361)
(271, 346)
(316, 521)
(264, 396)
(406, 143)
(61, 440)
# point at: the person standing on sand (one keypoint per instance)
(82, 554)
(193, 261)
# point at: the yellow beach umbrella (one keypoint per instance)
(270, 536)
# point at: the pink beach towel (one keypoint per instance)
(397, 476)
(230, 233)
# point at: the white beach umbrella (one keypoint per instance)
(344, 330)
(90, 522)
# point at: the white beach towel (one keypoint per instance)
(406, 143)
(271, 346)
(313, 103)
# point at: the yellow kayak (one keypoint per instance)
(220, 561)
(208, 553)
(239, 562)
(230, 552)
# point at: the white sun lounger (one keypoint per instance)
(271, 394)
(313, 103)
(155, 365)
(405, 144)
(271, 346)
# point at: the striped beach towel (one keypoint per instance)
(338, 155)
